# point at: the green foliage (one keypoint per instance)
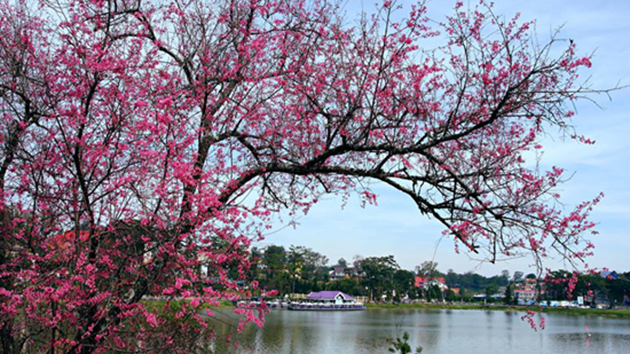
(474, 282)
(296, 270)
(275, 257)
(378, 273)
(491, 290)
(509, 295)
(450, 296)
(403, 283)
(401, 345)
(349, 286)
(433, 292)
(616, 291)
(428, 269)
(302, 270)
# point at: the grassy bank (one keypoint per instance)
(372, 306)
(565, 311)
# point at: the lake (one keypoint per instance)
(437, 331)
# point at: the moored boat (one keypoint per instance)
(327, 301)
(257, 303)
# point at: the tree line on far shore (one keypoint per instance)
(298, 269)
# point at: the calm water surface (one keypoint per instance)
(437, 331)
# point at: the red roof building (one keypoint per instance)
(421, 282)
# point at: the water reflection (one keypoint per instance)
(448, 331)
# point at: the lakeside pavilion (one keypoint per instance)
(330, 297)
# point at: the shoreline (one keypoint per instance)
(612, 313)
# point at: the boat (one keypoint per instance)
(255, 302)
(327, 301)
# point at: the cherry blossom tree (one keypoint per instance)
(146, 144)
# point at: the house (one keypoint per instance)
(609, 275)
(484, 297)
(330, 297)
(342, 272)
(338, 272)
(479, 297)
(529, 283)
(419, 281)
(425, 282)
(526, 296)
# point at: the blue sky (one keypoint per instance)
(396, 227)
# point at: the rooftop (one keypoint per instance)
(328, 295)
